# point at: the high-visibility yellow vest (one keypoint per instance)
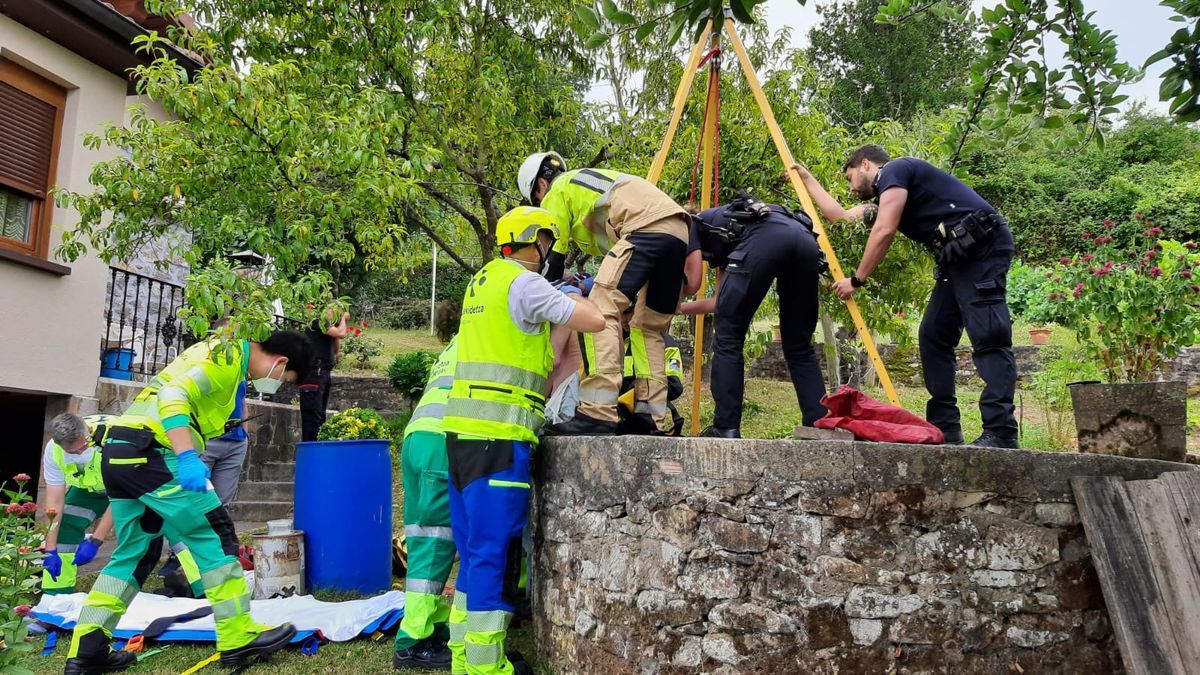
(431, 408)
(87, 476)
(499, 389)
(196, 390)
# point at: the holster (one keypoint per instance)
(967, 236)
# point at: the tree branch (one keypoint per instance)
(449, 201)
(412, 217)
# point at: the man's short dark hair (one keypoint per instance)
(873, 152)
(296, 347)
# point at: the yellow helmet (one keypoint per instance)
(522, 224)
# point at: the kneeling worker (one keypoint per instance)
(493, 416)
(74, 488)
(974, 248)
(757, 244)
(158, 485)
(642, 236)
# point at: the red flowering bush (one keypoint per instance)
(1132, 317)
(20, 535)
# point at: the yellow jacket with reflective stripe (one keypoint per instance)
(499, 389)
(197, 390)
(430, 410)
(593, 206)
(86, 477)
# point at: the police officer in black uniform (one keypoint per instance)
(757, 244)
(974, 248)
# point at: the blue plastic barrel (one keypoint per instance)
(343, 496)
(117, 363)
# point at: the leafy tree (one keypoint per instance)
(324, 134)
(890, 71)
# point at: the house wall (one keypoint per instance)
(50, 325)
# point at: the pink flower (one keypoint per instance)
(1101, 271)
(29, 508)
(1100, 326)
(51, 514)
(1098, 240)
(21, 477)
(1150, 223)
(13, 509)
(1191, 246)
(1057, 279)
(1155, 272)
(1064, 261)
(1195, 288)
(1124, 267)
(366, 325)
(23, 549)
(1186, 274)
(1151, 255)
(1078, 290)
(1087, 235)
(1109, 224)
(1087, 258)
(22, 610)
(1049, 275)
(1153, 232)
(1138, 216)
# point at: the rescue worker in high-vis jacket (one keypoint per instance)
(157, 485)
(642, 235)
(494, 413)
(74, 488)
(425, 470)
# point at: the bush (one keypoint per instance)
(395, 428)
(410, 371)
(361, 350)
(402, 313)
(353, 424)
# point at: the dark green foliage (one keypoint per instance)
(397, 300)
(1052, 199)
(409, 372)
(880, 71)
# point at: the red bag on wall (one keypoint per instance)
(872, 420)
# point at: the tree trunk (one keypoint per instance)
(833, 369)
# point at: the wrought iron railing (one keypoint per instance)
(142, 328)
(143, 332)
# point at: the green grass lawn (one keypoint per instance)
(395, 341)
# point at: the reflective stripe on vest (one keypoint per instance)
(500, 380)
(431, 408)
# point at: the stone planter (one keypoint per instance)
(1147, 420)
(1039, 336)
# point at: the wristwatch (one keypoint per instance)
(856, 282)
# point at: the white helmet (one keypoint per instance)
(531, 169)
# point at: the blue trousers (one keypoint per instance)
(489, 507)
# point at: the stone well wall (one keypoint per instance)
(703, 555)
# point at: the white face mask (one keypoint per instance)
(268, 385)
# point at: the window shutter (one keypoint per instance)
(27, 127)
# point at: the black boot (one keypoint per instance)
(519, 664)
(428, 654)
(990, 440)
(953, 438)
(718, 432)
(581, 425)
(261, 648)
(109, 663)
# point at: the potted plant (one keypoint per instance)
(1134, 308)
(343, 503)
(1039, 336)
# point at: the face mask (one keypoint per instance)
(268, 385)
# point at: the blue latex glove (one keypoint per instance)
(87, 551)
(52, 563)
(568, 289)
(585, 281)
(193, 475)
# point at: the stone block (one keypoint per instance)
(1017, 546)
(747, 617)
(865, 632)
(738, 537)
(867, 603)
(815, 434)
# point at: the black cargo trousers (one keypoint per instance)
(782, 251)
(972, 294)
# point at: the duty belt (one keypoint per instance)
(974, 230)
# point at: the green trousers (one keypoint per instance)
(147, 501)
(425, 470)
(81, 508)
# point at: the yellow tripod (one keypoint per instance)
(713, 40)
